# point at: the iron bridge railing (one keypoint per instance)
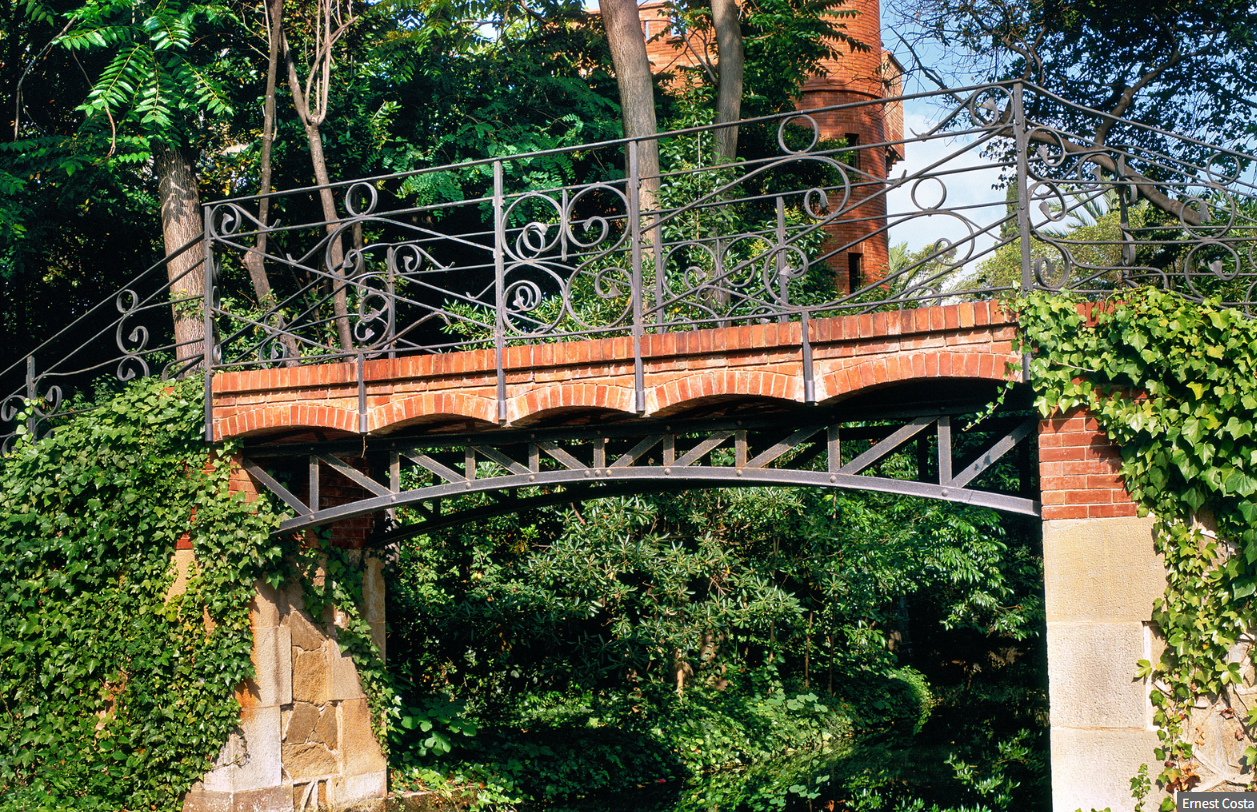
(579, 243)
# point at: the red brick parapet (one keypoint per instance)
(850, 354)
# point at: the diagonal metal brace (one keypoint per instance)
(779, 448)
(991, 455)
(431, 465)
(272, 485)
(887, 446)
(636, 452)
(696, 453)
(564, 458)
(353, 474)
(493, 455)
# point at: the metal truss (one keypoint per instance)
(524, 468)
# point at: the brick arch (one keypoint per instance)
(286, 416)
(569, 396)
(398, 413)
(911, 366)
(690, 389)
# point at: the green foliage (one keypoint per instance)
(1172, 383)
(1090, 231)
(437, 720)
(116, 695)
(564, 632)
(149, 80)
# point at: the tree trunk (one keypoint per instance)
(254, 260)
(181, 223)
(336, 252)
(637, 92)
(311, 123)
(732, 56)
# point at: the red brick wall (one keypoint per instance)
(850, 353)
(1078, 470)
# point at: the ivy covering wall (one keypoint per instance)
(1174, 384)
(113, 694)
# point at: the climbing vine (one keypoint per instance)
(332, 580)
(1174, 384)
(116, 692)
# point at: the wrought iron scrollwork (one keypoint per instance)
(483, 255)
(134, 343)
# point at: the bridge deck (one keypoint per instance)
(838, 357)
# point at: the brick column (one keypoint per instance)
(1101, 577)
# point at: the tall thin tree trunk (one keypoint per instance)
(732, 56)
(254, 260)
(340, 305)
(637, 92)
(311, 122)
(181, 223)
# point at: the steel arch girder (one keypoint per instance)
(693, 476)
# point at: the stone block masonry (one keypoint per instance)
(1101, 577)
(305, 739)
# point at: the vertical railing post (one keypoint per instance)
(635, 236)
(360, 362)
(809, 368)
(32, 391)
(783, 287)
(1023, 185)
(207, 340)
(499, 285)
(1023, 203)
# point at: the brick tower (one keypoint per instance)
(861, 77)
(856, 77)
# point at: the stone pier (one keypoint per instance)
(1101, 577)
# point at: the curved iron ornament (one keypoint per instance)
(726, 244)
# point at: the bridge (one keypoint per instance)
(479, 329)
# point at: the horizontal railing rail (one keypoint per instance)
(1018, 189)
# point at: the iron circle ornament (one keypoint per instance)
(811, 124)
(534, 236)
(988, 105)
(601, 222)
(916, 187)
(1052, 274)
(361, 199)
(1209, 260)
(1224, 167)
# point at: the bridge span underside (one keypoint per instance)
(739, 406)
(824, 403)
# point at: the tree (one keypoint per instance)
(310, 97)
(1178, 67)
(61, 207)
(637, 93)
(731, 66)
(143, 105)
